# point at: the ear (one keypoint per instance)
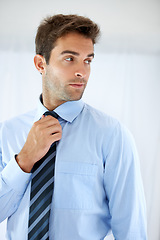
(40, 63)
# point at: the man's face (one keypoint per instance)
(66, 75)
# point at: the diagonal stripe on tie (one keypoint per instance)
(39, 220)
(45, 237)
(42, 178)
(42, 167)
(41, 216)
(40, 229)
(41, 195)
(45, 187)
(35, 210)
(44, 202)
(41, 163)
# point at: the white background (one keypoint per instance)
(125, 78)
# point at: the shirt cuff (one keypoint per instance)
(15, 177)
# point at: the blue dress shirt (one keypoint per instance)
(98, 186)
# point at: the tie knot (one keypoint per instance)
(51, 113)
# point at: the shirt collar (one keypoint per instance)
(67, 111)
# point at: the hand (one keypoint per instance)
(41, 136)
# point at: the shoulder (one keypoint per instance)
(111, 129)
(99, 117)
(103, 122)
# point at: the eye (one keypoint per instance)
(88, 61)
(69, 59)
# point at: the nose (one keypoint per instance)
(81, 73)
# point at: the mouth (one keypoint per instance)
(77, 85)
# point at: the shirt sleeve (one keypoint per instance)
(13, 183)
(124, 188)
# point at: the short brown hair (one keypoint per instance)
(54, 27)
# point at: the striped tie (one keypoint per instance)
(41, 194)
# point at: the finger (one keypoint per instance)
(53, 129)
(55, 137)
(46, 122)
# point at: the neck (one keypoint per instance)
(49, 103)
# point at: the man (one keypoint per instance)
(97, 184)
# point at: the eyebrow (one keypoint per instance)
(75, 53)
